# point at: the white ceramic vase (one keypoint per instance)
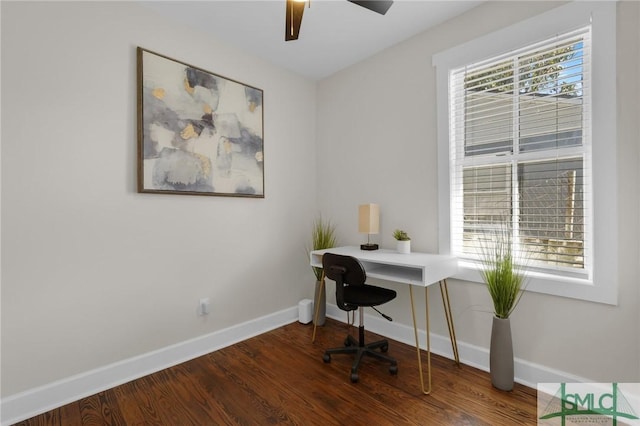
(404, 247)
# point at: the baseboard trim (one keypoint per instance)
(36, 401)
(526, 373)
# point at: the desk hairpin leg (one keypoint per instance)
(452, 332)
(444, 291)
(415, 332)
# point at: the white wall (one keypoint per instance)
(93, 272)
(377, 143)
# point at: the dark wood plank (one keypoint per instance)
(100, 409)
(279, 378)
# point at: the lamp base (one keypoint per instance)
(368, 247)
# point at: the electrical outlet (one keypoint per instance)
(203, 308)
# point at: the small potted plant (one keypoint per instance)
(403, 241)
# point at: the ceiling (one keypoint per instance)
(334, 33)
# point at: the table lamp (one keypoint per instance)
(369, 223)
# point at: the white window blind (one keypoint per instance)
(520, 144)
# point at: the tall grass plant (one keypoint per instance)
(323, 236)
(503, 272)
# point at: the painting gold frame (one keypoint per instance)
(199, 133)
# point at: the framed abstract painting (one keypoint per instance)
(198, 133)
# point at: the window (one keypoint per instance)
(519, 147)
(520, 142)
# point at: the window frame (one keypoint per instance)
(601, 286)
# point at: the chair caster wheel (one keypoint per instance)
(393, 370)
(354, 377)
(326, 358)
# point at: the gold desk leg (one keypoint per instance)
(444, 291)
(317, 310)
(415, 332)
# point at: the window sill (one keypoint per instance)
(570, 287)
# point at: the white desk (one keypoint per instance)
(415, 269)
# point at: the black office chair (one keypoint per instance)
(352, 293)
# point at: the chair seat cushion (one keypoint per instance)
(367, 295)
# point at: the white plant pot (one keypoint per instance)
(404, 247)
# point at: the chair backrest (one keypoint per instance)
(344, 270)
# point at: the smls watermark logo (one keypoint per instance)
(588, 403)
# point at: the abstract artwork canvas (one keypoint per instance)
(198, 133)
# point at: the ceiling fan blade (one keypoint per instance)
(293, 20)
(378, 6)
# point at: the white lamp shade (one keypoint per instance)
(369, 219)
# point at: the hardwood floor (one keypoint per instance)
(279, 378)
